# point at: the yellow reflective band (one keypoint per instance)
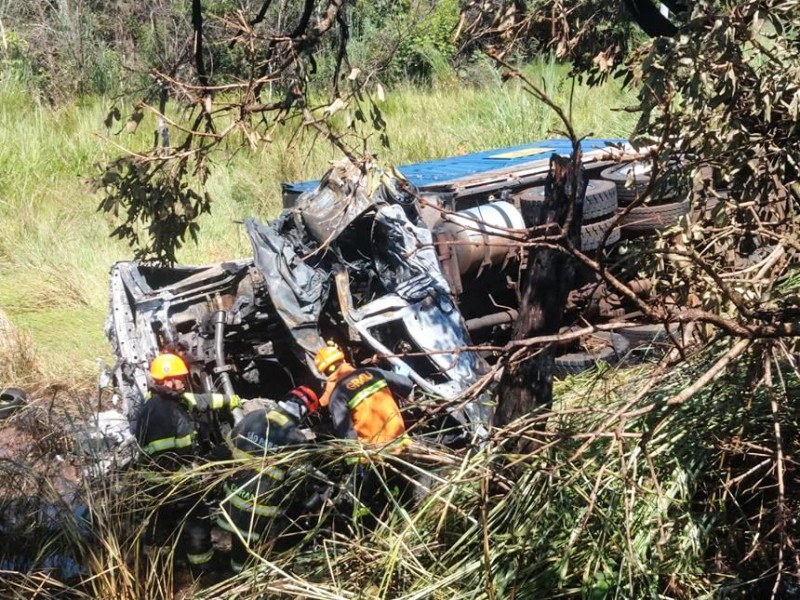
(191, 399)
(274, 472)
(262, 510)
(159, 445)
(168, 444)
(399, 444)
(199, 559)
(277, 417)
(223, 523)
(366, 393)
(241, 454)
(241, 499)
(217, 401)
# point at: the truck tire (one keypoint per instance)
(705, 207)
(592, 235)
(644, 336)
(643, 219)
(11, 400)
(611, 349)
(632, 180)
(600, 200)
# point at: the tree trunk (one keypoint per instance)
(546, 283)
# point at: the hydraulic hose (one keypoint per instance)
(219, 355)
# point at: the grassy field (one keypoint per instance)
(55, 249)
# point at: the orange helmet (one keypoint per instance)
(167, 365)
(327, 356)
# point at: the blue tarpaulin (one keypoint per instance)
(443, 170)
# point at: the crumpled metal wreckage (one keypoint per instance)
(405, 274)
(353, 261)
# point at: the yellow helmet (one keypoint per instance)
(167, 365)
(327, 356)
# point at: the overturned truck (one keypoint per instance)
(395, 271)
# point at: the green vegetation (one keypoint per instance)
(668, 504)
(55, 249)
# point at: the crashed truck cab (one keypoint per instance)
(405, 271)
(351, 263)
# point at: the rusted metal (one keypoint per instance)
(503, 317)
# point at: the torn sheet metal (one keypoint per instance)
(341, 196)
(345, 193)
(405, 256)
(298, 284)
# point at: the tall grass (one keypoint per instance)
(664, 501)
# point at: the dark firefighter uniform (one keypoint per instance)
(168, 436)
(262, 504)
(362, 405)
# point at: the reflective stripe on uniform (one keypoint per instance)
(262, 510)
(168, 444)
(274, 472)
(224, 523)
(366, 393)
(200, 559)
(399, 444)
(277, 417)
(217, 400)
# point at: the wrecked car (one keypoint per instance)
(403, 269)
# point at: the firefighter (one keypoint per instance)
(167, 433)
(361, 401)
(263, 505)
(362, 406)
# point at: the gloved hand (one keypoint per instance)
(220, 452)
(235, 401)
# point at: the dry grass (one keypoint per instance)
(618, 498)
(18, 360)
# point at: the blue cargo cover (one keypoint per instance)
(444, 170)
